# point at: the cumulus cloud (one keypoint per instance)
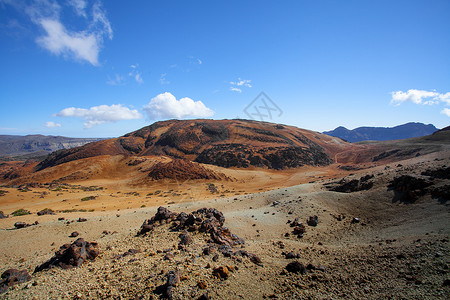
(422, 97)
(236, 86)
(81, 45)
(52, 125)
(97, 115)
(446, 111)
(166, 106)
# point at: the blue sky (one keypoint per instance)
(105, 68)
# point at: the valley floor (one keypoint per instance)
(397, 250)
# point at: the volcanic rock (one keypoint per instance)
(296, 267)
(71, 255)
(221, 272)
(46, 211)
(11, 277)
(313, 221)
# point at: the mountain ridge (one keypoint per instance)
(366, 133)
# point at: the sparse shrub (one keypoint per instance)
(20, 212)
(88, 198)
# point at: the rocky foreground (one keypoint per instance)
(380, 233)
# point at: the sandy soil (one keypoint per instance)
(397, 250)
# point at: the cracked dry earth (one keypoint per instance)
(392, 249)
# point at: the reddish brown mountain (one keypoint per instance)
(225, 143)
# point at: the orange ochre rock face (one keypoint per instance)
(224, 143)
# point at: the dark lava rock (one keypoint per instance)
(221, 272)
(355, 220)
(208, 220)
(354, 185)
(46, 211)
(291, 255)
(296, 267)
(185, 239)
(71, 255)
(2, 215)
(408, 188)
(313, 221)
(11, 277)
(296, 222)
(19, 225)
(82, 220)
(61, 219)
(443, 173)
(209, 249)
(129, 252)
(204, 297)
(74, 234)
(299, 229)
(173, 278)
(442, 192)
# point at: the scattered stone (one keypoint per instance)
(173, 278)
(299, 230)
(168, 256)
(71, 255)
(74, 234)
(296, 267)
(355, 220)
(82, 220)
(11, 277)
(202, 285)
(2, 215)
(291, 255)
(61, 219)
(204, 297)
(129, 252)
(221, 272)
(19, 225)
(313, 221)
(46, 211)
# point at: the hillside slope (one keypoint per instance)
(224, 143)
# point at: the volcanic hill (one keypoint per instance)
(224, 143)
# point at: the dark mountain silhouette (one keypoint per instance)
(405, 131)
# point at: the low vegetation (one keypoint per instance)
(20, 212)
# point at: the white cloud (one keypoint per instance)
(100, 114)
(52, 125)
(199, 61)
(446, 111)
(83, 45)
(414, 96)
(236, 86)
(79, 6)
(138, 78)
(422, 97)
(117, 80)
(242, 82)
(163, 80)
(136, 74)
(166, 106)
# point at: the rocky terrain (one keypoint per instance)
(36, 146)
(153, 227)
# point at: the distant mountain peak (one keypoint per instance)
(404, 131)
